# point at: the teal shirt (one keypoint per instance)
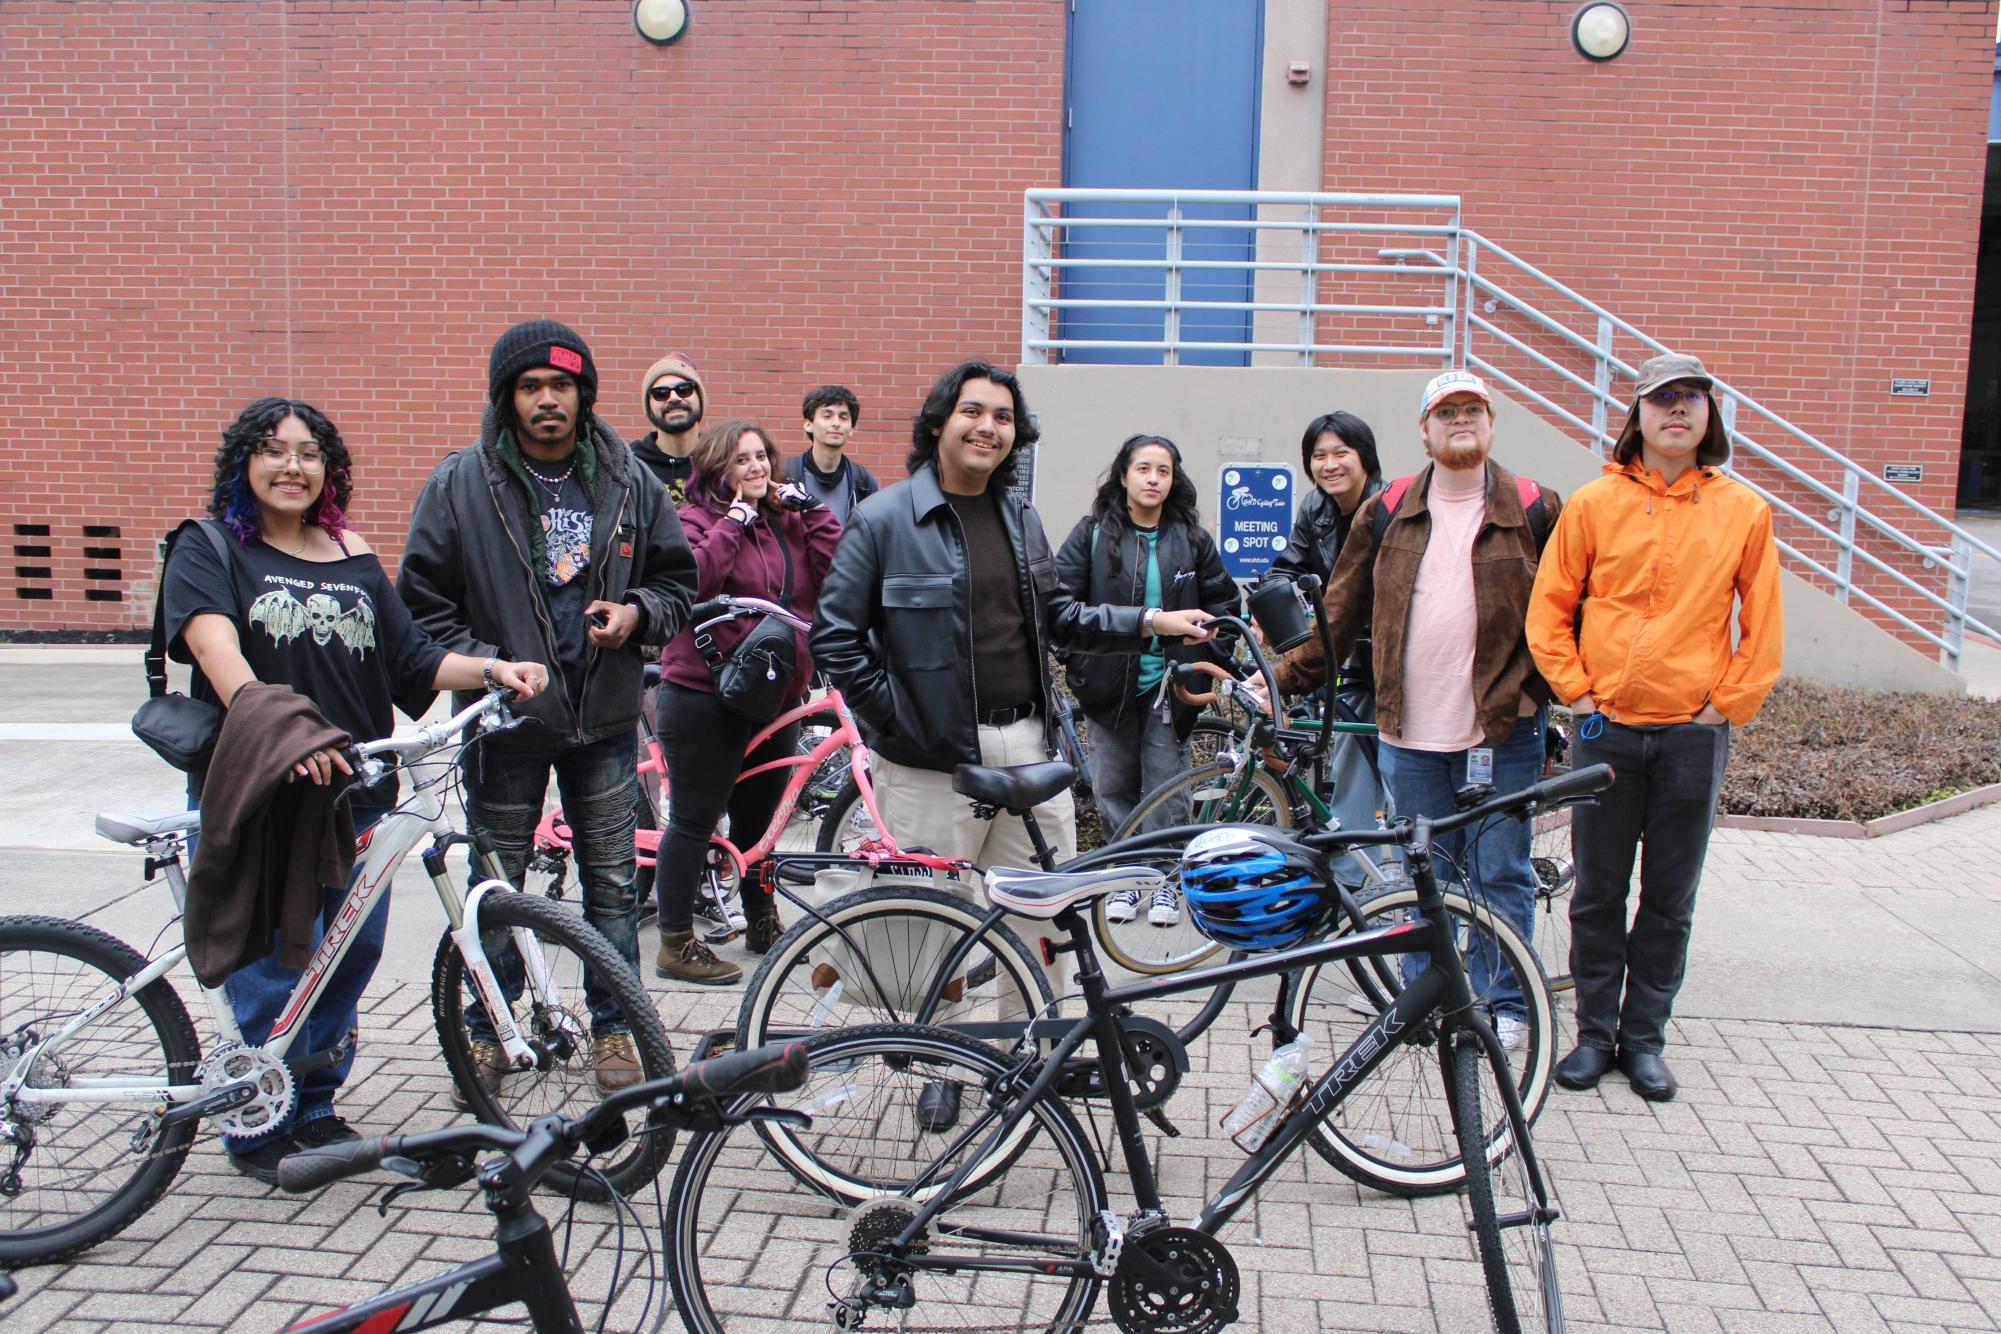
(1153, 662)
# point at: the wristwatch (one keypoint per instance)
(1146, 621)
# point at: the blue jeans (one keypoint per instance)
(257, 996)
(505, 785)
(1495, 865)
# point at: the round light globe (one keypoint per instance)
(660, 21)
(1600, 31)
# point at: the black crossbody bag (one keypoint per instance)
(752, 681)
(180, 729)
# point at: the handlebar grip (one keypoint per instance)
(1192, 678)
(708, 611)
(309, 1169)
(1576, 783)
(773, 1068)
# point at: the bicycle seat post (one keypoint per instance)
(1045, 856)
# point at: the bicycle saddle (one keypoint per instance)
(1043, 894)
(142, 828)
(1015, 788)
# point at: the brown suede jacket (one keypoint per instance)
(1372, 585)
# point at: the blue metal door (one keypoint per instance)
(1161, 94)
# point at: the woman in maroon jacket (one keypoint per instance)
(745, 529)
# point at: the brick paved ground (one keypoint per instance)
(1811, 1177)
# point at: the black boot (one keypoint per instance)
(1583, 1068)
(1648, 1074)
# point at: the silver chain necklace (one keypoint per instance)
(555, 484)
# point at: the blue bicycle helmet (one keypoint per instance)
(1252, 889)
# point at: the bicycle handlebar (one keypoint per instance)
(1550, 792)
(774, 1068)
(730, 607)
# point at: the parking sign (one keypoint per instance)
(1254, 516)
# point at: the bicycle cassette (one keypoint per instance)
(873, 1224)
(1174, 1280)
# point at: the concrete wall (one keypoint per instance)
(1220, 415)
(1292, 120)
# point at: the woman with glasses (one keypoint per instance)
(301, 601)
(1142, 545)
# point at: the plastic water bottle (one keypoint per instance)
(1270, 1095)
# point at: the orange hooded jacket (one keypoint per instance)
(1656, 568)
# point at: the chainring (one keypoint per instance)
(276, 1089)
(1174, 1280)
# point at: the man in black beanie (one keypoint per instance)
(548, 538)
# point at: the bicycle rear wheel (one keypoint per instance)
(82, 1179)
(752, 1245)
(1394, 1132)
(556, 1021)
(1510, 1218)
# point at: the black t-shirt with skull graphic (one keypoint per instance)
(334, 631)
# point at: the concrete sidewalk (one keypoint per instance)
(1834, 1162)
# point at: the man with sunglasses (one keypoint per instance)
(673, 399)
(1442, 563)
(1657, 553)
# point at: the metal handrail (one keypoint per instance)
(1457, 292)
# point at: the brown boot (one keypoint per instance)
(489, 1064)
(616, 1061)
(683, 958)
(763, 929)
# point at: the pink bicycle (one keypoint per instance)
(836, 760)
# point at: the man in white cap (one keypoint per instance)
(1442, 564)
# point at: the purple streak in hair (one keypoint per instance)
(326, 511)
(241, 515)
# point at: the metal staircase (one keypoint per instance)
(1265, 278)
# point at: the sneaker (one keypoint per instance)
(718, 921)
(261, 1163)
(764, 928)
(686, 959)
(616, 1061)
(490, 1064)
(323, 1131)
(1512, 1030)
(1166, 909)
(1122, 906)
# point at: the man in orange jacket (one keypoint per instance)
(1657, 551)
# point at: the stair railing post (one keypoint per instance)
(1957, 583)
(1309, 293)
(1844, 560)
(1037, 247)
(1601, 384)
(1171, 322)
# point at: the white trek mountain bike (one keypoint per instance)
(102, 1079)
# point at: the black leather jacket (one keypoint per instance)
(467, 578)
(1110, 567)
(1317, 534)
(894, 628)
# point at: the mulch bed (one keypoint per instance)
(1825, 753)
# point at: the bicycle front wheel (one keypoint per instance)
(83, 1179)
(1510, 1218)
(566, 988)
(1394, 1132)
(751, 1246)
(1160, 935)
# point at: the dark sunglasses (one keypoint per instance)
(660, 393)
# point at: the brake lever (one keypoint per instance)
(441, 1173)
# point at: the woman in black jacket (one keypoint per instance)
(1142, 545)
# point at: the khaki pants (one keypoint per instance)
(922, 811)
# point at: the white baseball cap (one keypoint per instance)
(1453, 382)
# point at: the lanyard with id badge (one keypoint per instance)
(1480, 766)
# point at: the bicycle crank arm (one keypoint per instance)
(1159, 1118)
(225, 1099)
(320, 1060)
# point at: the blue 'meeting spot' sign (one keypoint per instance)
(1254, 516)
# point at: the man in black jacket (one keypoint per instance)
(547, 539)
(936, 619)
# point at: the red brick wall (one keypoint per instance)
(1790, 190)
(204, 202)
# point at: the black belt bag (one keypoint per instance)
(753, 680)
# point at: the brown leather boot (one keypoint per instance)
(616, 1061)
(763, 929)
(489, 1063)
(683, 958)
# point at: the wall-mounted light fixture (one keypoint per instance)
(1600, 31)
(660, 21)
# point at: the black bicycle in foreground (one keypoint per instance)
(523, 1268)
(945, 1184)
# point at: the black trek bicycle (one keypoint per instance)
(523, 1268)
(947, 1184)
